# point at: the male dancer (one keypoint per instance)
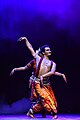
(34, 96)
(43, 71)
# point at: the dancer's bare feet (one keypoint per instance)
(55, 117)
(30, 113)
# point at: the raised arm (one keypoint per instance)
(28, 45)
(63, 75)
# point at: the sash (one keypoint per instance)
(38, 68)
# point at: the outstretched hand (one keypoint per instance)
(64, 77)
(12, 72)
(22, 38)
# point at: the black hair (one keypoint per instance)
(42, 49)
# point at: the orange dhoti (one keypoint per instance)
(46, 96)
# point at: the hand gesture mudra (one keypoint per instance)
(22, 38)
(12, 72)
(64, 77)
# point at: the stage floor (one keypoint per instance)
(38, 117)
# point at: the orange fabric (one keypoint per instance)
(45, 93)
(33, 93)
(47, 98)
(37, 107)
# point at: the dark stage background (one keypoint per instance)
(53, 22)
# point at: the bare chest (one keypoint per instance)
(46, 63)
(45, 66)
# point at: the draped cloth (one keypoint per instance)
(43, 94)
(47, 98)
